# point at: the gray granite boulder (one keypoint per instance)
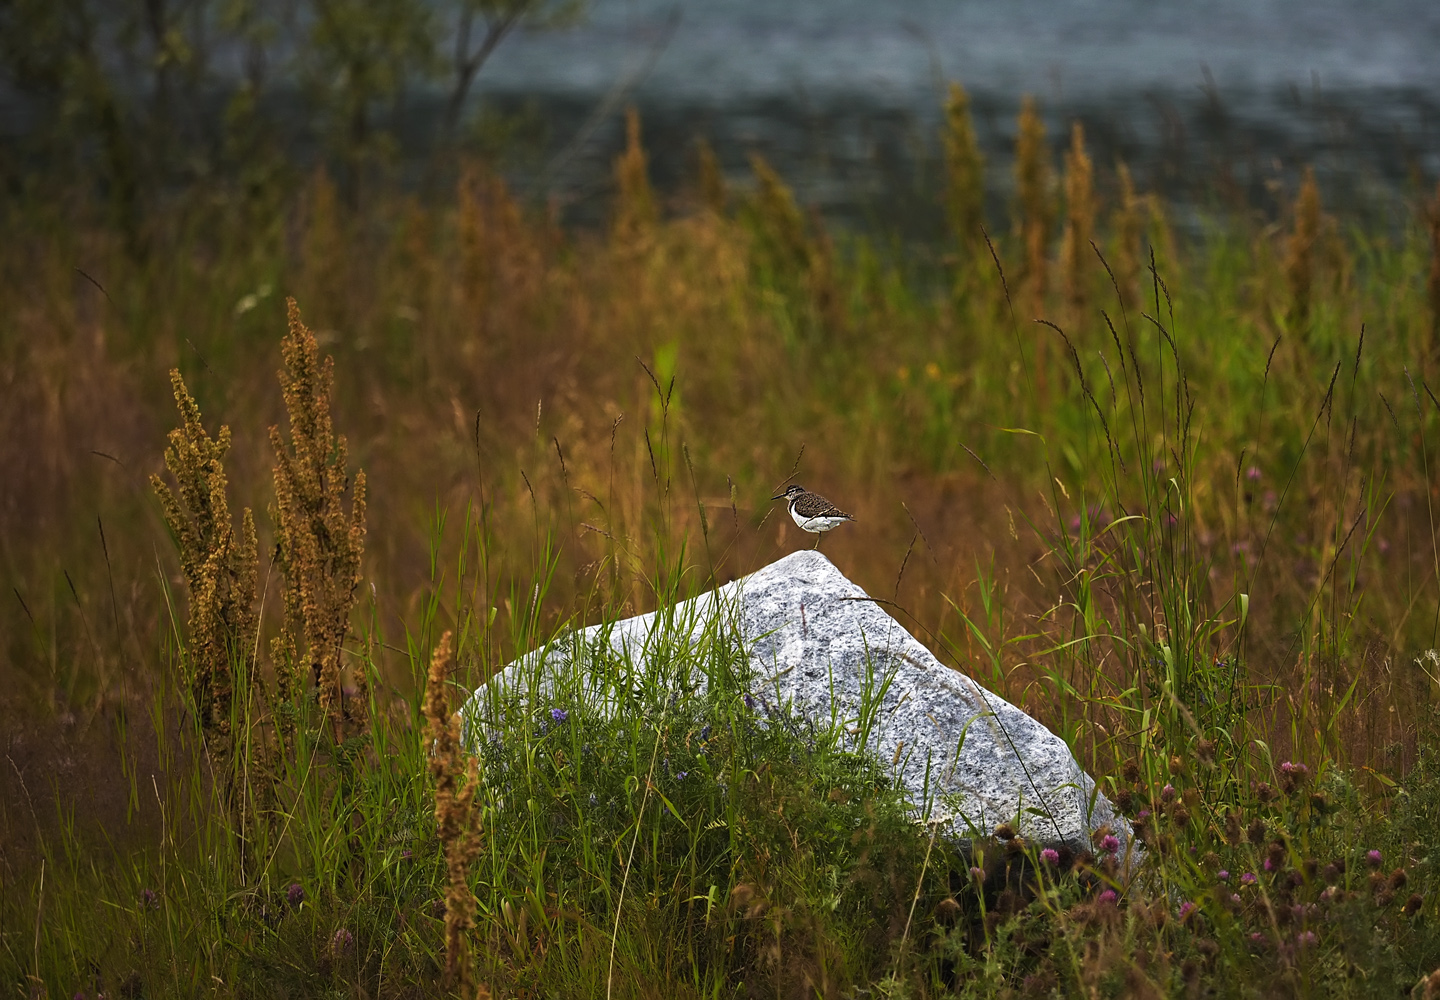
(819, 647)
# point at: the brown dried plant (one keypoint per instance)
(324, 252)
(1300, 250)
(1127, 224)
(473, 286)
(635, 204)
(1032, 185)
(319, 544)
(220, 570)
(457, 779)
(964, 174)
(1076, 255)
(713, 194)
(783, 239)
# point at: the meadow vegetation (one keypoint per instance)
(1170, 494)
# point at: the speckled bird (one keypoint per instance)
(812, 512)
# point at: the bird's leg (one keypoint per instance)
(818, 535)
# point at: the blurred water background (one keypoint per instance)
(1216, 99)
(1213, 104)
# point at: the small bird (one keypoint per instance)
(812, 512)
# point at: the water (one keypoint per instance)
(1209, 100)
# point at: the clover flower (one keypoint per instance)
(1107, 898)
(1224, 875)
(1050, 856)
(295, 895)
(1248, 879)
(1374, 858)
(1109, 843)
(342, 940)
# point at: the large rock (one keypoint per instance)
(819, 646)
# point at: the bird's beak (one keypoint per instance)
(780, 497)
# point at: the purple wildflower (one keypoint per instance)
(680, 775)
(1107, 898)
(295, 894)
(1269, 865)
(1253, 474)
(978, 874)
(1224, 875)
(1374, 858)
(1050, 856)
(149, 899)
(1257, 937)
(1109, 843)
(342, 940)
(1168, 793)
(405, 854)
(1235, 898)
(559, 714)
(1307, 939)
(1186, 908)
(1248, 879)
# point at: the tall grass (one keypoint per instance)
(1185, 519)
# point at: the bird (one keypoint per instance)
(812, 512)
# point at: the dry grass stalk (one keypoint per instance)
(964, 174)
(1032, 185)
(220, 569)
(1300, 251)
(781, 224)
(1127, 224)
(473, 286)
(635, 205)
(324, 253)
(713, 194)
(1075, 252)
(319, 544)
(457, 779)
(1162, 238)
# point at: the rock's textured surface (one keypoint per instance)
(817, 643)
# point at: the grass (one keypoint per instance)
(1186, 521)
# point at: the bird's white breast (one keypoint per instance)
(815, 524)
